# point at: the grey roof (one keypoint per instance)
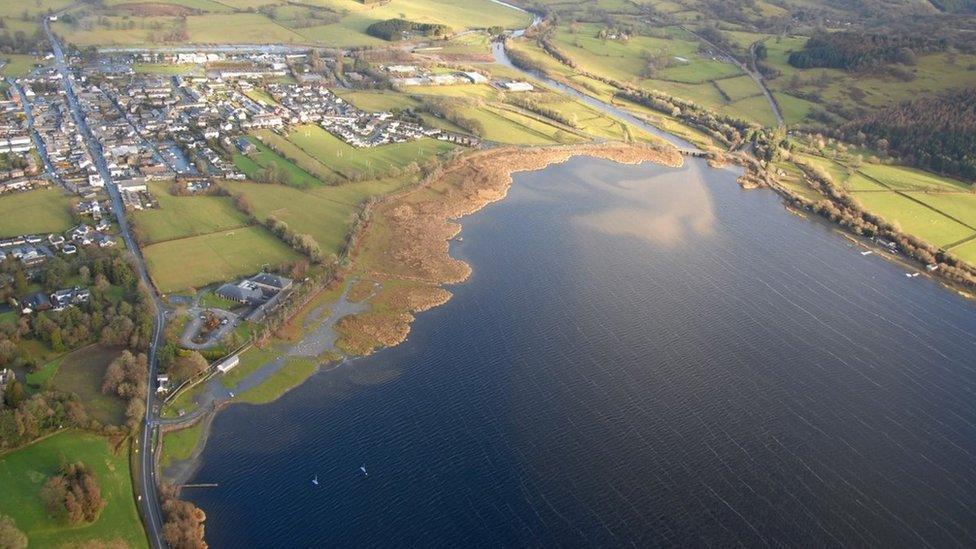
(239, 293)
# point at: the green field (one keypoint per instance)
(24, 471)
(377, 101)
(253, 163)
(325, 213)
(372, 161)
(18, 65)
(200, 260)
(179, 445)
(311, 165)
(39, 211)
(185, 216)
(914, 218)
(81, 372)
(237, 21)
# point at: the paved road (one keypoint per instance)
(147, 486)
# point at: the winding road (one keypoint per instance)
(147, 486)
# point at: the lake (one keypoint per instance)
(643, 356)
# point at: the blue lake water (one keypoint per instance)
(643, 356)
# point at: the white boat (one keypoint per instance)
(315, 480)
(363, 469)
(869, 252)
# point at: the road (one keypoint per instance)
(147, 486)
(35, 136)
(754, 74)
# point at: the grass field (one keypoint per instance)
(81, 372)
(253, 163)
(320, 170)
(18, 65)
(179, 445)
(200, 260)
(372, 161)
(377, 101)
(325, 212)
(236, 22)
(185, 216)
(24, 471)
(294, 372)
(39, 211)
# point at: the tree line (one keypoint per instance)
(858, 51)
(937, 133)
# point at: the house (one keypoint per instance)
(162, 383)
(62, 299)
(35, 302)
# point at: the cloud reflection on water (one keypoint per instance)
(681, 211)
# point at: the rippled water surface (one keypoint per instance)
(643, 356)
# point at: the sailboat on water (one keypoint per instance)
(363, 469)
(315, 480)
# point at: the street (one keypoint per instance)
(147, 486)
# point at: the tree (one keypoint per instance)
(10, 536)
(73, 495)
(14, 394)
(183, 527)
(188, 365)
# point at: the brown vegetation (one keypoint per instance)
(405, 245)
(183, 527)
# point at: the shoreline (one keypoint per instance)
(405, 248)
(409, 268)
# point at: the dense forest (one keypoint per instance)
(398, 29)
(856, 51)
(938, 133)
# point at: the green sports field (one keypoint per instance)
(24, 471)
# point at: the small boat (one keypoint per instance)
(315, 480)
(869, 252)
(911, 275)
(363, 469)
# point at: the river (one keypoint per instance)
(643, 356)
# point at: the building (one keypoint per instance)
(35, 302)
(517, 86)
(228, 364)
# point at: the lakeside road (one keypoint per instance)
(147, 487)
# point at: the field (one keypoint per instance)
(200, 260)
(939, 210)
(81, 372)
(324, 213)
(237, 22)
(688, 73)
(17, 65)
(372, 161)
(179, 445)
(253, 163)
(24, 471)
(185, 216)
(39, 211)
